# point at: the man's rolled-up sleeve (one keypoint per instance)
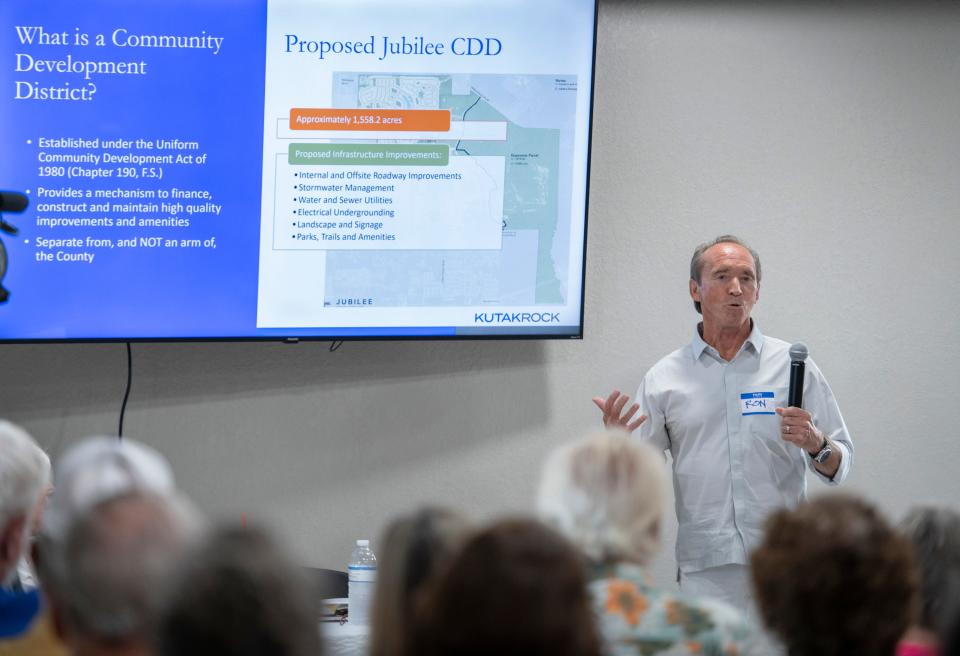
(653, 431)
(821, 403)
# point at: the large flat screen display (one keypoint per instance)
(243, 169)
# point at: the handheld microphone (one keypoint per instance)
(10, 201)
(13, 201)
(798, 354)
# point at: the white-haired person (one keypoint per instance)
(24, 479)
(606, 494)
(114, 532)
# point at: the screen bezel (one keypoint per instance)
(498, 334)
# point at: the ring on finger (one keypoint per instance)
(786, 429)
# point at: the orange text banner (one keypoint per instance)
(423, 120)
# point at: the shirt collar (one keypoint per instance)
(754, 340)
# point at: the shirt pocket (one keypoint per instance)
(772, 468)
(759, 422)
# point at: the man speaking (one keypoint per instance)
(719, 405)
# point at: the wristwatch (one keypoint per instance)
(824, 452)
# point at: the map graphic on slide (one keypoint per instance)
(536, 113)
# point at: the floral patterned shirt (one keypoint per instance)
(637, 619)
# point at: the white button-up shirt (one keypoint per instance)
(731, 467)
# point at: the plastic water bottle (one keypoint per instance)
(362, 571)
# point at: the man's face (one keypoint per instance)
(728, 287)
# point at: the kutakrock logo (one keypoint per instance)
(516, 317)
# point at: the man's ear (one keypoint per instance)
(11, 542)
(695, 291)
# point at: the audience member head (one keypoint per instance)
(112, 534)
(412, 549)
(832, 578)
(24, 478)
(606, 494)
(517, 587)
(935, 535)
(237, 595)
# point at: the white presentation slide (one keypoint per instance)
(425, 165)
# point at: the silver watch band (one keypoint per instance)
(824, 452)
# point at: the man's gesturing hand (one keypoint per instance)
(614, 414)
(796, 427)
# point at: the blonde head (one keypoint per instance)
(606, 494)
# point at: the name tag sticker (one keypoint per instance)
(758, 403)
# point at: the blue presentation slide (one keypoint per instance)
(206, 169)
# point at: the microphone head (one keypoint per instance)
(799, 351)
(13, 201)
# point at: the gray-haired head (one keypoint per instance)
(935, 535)
(99, 469)
(605, 493)
(24, 476)
(114, 531)
(696, 262)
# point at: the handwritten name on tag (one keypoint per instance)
(758, 403)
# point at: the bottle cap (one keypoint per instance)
(363, 543)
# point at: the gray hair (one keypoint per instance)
(605, 493)
(105, 577)
(114, 527)
(696, 262)
(935, 535)
(98, 469)
(24, 473)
